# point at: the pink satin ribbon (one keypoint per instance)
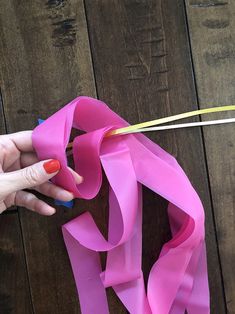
(178, 279)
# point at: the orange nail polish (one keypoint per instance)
(51, 166)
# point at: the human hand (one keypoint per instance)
(20, 169)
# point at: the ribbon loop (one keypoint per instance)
(129, 161)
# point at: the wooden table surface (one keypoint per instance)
(146, 59)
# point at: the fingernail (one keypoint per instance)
(51, 166)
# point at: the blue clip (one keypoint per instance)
(68, 204)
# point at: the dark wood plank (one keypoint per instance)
(45, 59)
(14, 285)
(46, 62)
(52, 64)
(143, 70)
(212, 39)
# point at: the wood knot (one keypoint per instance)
(64, 33)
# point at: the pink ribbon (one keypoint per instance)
(178, 279)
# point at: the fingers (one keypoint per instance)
(22, 140)
(28, 159)
(2, 206)
(48, 188)
(28, 177)
(30, 201)
(77, 177)
(54, 191)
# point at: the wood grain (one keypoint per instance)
(142, 66)
(14, 286)
(212, 32)
(45, 62)
(143, 70)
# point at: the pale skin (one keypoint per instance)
(20, 169)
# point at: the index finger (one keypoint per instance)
(22, 140)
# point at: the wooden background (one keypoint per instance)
(146, 59)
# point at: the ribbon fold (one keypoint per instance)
(178, 279)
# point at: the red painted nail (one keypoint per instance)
(51, 166)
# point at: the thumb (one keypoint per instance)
(29, 177)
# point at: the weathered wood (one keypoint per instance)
(46, 62)
(212, 31)
(143, 70)
(14, 286)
